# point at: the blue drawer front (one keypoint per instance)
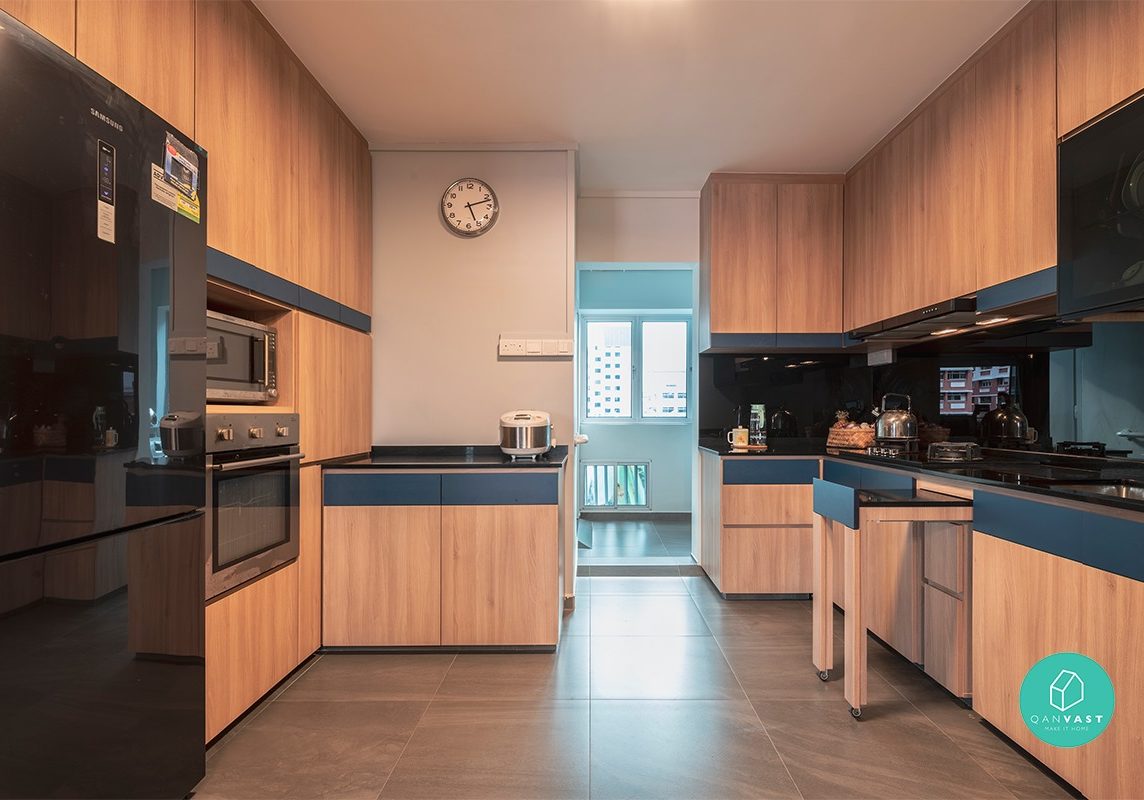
(858, 477)
(759, 471)
(837, 502)
(70, 469)
(1107, 543)
(471, 489)
(380, 489)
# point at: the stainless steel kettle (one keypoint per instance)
(1006, 425)
(898, 424)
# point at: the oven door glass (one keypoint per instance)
(253, 509)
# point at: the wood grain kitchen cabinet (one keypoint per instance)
(1028, 604)
(946, 616)
(1016, 176)
(333, 395)
(251, 644)
(247, 88)
(500, 575)
(52, 19)
(382, 576)
(861, 298)
(133, 43)
(738, 254)
(1100, 60)
(809, 271)
(309, 561)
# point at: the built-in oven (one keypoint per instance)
(242, 360)
(1100, 236)
(252, 496)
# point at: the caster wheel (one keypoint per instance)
(856, 713)
(824, 675)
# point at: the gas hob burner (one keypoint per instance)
(893, 448)
(953, 452)
(1097, 449)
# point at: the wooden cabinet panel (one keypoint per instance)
(766, 560)
(707, 549)
(132, 44)
(359, 292)
(1100, 61)
(860, 293)
(946, 548)
(740, 217)
(1028, 605)
(52, 19)
(500, 575)
(382, 576)
(1016, 187)
(768, 504)
(247, 86)
(946, 641)
(309, 562)
(334, 390)
(809, 258)
(252, 643)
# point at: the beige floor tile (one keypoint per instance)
(661, 668)
(646, 615)
(770, 673)
(608, 585)
(367, 676)
(562, 675)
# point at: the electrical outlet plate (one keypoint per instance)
(534, 346)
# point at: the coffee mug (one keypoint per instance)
(737, 437)
(1031, 436)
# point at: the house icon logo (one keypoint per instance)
(1066, 690)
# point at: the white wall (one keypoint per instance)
(440, 301)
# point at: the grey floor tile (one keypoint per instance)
(562, 675)
(502, 749)
(894, 751)
(646, 615)
(605, 585)
(661, 668)
(683, 749)
(786, 673)
(577, 620)
(312, 750)
(643, 570)
(367, 676)
(775, 623)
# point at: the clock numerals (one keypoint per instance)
(469, 207)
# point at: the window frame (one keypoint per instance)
(615, 464)
(636, 320)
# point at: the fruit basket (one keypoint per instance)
(849, 435)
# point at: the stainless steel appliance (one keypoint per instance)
(953, 452)
(896, 426)
(920, 325)
(1100, 232)
(526, 434)
(252, 496)
(242, 360)
(782, 424)
(102, 334)
(1006, 426)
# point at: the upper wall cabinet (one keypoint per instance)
(247, 89)
(53, 19)
(118, 40)
(334, 398)
(770, 254)
(1016, 190)
(1100, 60)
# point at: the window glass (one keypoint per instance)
(631, 485)
(663, 368)
(599, 485)
(610, 343)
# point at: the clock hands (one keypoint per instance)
(478, 203)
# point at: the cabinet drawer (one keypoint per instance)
(946, 636)
(945, 556)
(364, 488)
(768, 505)
(767, 560)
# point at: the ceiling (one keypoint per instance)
(656, 93)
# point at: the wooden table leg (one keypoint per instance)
(822, 601)
(854, 646)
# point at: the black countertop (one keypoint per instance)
(918, 497)
(1062, 477)
(775, 447)
(450, 457)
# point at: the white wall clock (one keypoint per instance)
(469, 207)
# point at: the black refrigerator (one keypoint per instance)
(102, 332)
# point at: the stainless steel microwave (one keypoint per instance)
(242, 360)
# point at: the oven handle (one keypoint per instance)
(257, 462)
(266, 361)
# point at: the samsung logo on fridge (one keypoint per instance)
(104, 118)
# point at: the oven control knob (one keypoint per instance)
(225, 434)
(256, 433)
(283, 430)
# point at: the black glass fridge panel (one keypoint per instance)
(1101, 208)
(96, 276)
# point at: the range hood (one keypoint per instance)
(917, 326)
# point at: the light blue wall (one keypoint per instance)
(668, 447)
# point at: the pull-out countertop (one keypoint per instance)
(439, 457)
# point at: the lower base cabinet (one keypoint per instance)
(382, 576)
(499, 573)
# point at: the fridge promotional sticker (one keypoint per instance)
(180, 173)
(105, 193)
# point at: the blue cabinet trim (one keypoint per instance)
(858, 477)
(837, 502)
(499, 489)
(380, 489)
(1107, 543)
(1042, 283)
(761, 471)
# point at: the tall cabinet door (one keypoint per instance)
(738, 225)
(334, 392)
(52, 19)
(809, 258)
(497, 575)
(1100, 62)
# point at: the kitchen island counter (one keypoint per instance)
(442, 457)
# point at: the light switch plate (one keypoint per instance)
(534, 345)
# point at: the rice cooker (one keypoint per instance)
(526, 434)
